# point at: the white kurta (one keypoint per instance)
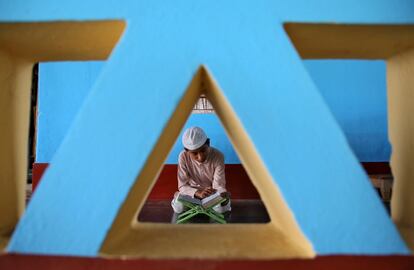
(193, 175)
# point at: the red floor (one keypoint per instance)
(16, 262)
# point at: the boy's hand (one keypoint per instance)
(201, 194)
(225, 195)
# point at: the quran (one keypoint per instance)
(207, 202)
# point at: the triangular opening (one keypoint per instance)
(279, 238)
(361, 113)
(330, 47)
(23, 44)
(246, 204)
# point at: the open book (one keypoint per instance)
(205, 203)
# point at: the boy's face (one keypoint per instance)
(199, 154)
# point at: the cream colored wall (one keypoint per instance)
(400, 80)
(15, 84)
(60, 41)
(21, 45)
(313, 40)
(395, 44)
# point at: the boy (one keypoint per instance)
(200, 170)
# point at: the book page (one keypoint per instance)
(211, 200)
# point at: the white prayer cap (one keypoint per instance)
(193, 138)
